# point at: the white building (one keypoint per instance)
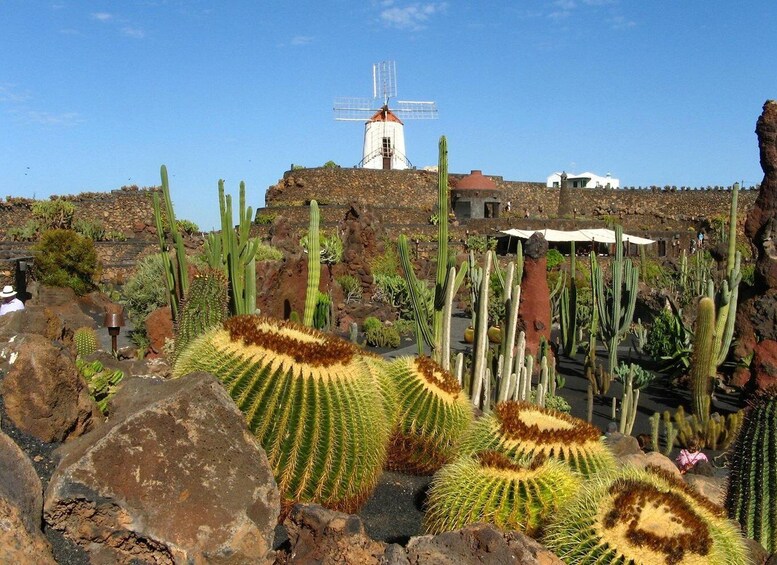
(384, 142)
(584, 180)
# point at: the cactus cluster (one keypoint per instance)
(751, 496)
(101, 381)
(434, 413)
(520, 429)
(490, 487)
(85, 340)
(204, 307)
(310, 399)
(645, 517)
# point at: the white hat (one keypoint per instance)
(8, 291)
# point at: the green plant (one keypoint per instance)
(145, 290)
(552, 402)
(489, 487)
(27, 232)
(205, 306)
(64, 258)
(553, 259)
(55, 214)
(352, 287)
(330, 247)
(716, 432)
(615, 303)
(381, 335)
(176, 275)
(480, 243)
(568, 308)
(314, 265)
(392, 289)
(643, 517)
(310, 400)
(234, 252)
(187, 227)
(265, 218)
(386, 263)
(521, 429)
(752, 482)
(331, 165)
(94, 230)
(265, 252)
(322, 316)
(702, 361)
(101, 381)
(85, 340)
(433, 415)
(641, 378)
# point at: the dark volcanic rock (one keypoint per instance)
(44, 394)
(19, 484)
(173, 476)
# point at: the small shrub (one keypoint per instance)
(187, 227)
(94, 230)
(331, 165)
(663, 335)
(102, 382)
(641, 378)
(115, 235)
(371, 322)
(145, 291)
(386, 263)
(265, 218)
(382, 336)
(66, 259)
(331, 247)
(352, 287)
(266, 252)
(27, 232)
(322, 315)
(554, 258)
(748, 274)
(54, 214)
(405, 327)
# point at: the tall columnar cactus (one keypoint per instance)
(177, 276)
(234, 251)
(751, 495)
(568, 309)
(432, 334)
(433, 415)
(490, 487)
(205, 306)
(85, 340)
(310, 400)
(520, 429)
(703, 360)
(314, 265)
(643, 518)
(616, 304)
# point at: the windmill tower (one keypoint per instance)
(384, 134)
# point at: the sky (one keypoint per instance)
(95, 95)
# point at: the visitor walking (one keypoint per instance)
(8, 301)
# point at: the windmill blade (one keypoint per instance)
(384, 80)
(415, 110)
(355, 109)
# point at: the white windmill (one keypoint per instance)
(384, 136)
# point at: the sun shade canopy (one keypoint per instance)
(599, 235)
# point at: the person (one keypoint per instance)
(690, 457)
(701, 240)
(8, 301)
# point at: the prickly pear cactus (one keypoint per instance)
(490, 487)
(310, 400)
(85, 340)
(751, 496)
(205, 306)
(641, 517)
(521, 429)
(434, 413)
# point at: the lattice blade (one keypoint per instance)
(415, 110)
(384, 80)
(355, 109)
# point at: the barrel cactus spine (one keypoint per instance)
(434, 413)
(522, 429)
(310, 400)
(751, 494)
(85, 340)
(643, 517)
(490, 487)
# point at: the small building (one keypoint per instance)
(475, 196)
(583, 180)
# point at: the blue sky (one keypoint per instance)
(95, 95)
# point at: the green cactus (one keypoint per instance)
(85, 340)
(310, 400)
(616, 303)
(234, 252)
(434, 413)
(521, 429)
(751, 494)
(703, 361)
(177, 276)
(489, 487)
(314, 265)
(716, 432)
(101, 381)
(648, 517)
(568, 309)
(206, 306)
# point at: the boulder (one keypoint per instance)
(44, 394)
(650, 459)
(20, 485)
(622, 445)
(17, 544)
(476, 544)
(711, 488)
(764, 365)
(173, 476)
(159, 328)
